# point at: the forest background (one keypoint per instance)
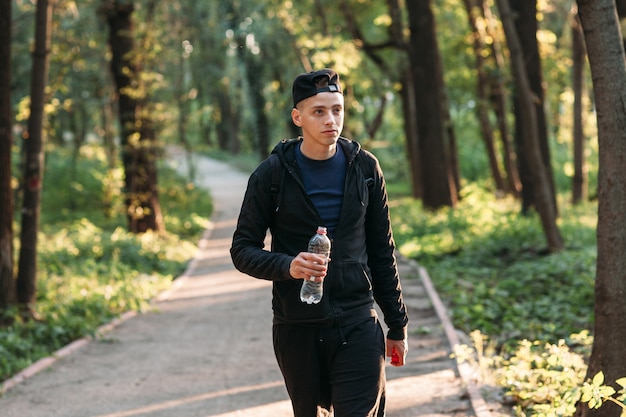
(482, 114)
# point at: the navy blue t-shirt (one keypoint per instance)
(324, 181)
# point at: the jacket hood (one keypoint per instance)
(285, 149)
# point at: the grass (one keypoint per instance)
(90, 269)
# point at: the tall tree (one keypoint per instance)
(220, 81)
(182, 93)
(543, 190)
(474, 12)
(139, 153)
(399, 72)
(499, 100)
(250, 53)
(525, 20)
(579, 180)
(437, 171)
(7, 279)
(34, 160)
(608, 72)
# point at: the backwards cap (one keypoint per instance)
(309, 84)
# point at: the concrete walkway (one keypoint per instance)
(206, 349)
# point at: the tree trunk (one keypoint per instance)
(412, 140)
(227, 126)
(451, 148)
(407, 94)
(254, 70)
(482, 108)
(439, 186)
(621, 12)
(499, 100)
(182, 93)
(34, 160)
(543, 192)
(579, 181)
(7, 280)
(525, 21)
(608, 71)
(374, 126)
(137, 132)
(107, 119)
(256, 83)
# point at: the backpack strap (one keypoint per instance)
(276, 168)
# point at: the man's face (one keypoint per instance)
(320, 117)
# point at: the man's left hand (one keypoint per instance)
(397, 350)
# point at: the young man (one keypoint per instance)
(331, 354)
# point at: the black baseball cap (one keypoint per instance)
(309, 84)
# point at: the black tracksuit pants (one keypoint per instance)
(338, 368)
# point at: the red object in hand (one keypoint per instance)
(395, 358)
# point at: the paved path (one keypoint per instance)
(206, 349)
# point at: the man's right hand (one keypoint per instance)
(309, 266)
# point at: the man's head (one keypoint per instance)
(314, 82)
(318, 111)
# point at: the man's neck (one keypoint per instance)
(318, 152)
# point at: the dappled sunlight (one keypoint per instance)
(402, 399)
(441, 355)
(223, 227)
(210, 273)
(277, 409)
(223, 287)
(214, 249)
(402, 394)
(171, 405)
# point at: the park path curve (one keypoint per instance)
(205, 349)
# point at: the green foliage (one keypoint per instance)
(533, 308)
(595, 393)
(91, 269)
(536, 379)
(542, 379)
(488, 262)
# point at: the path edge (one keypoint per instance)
(48, 361)
(479, 405)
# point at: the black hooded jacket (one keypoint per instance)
(362, 267)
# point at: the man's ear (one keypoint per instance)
(295, 117)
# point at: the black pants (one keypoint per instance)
(335, 368)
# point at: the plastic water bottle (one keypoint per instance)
(311, 292)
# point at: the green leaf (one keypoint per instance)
(598, 379)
